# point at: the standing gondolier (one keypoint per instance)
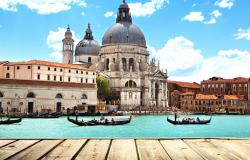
(175, 116)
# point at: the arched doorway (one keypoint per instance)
(1, 108)
(124, 64)
(156, 94)
(30, 97)
(58, 102)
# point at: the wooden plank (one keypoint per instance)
(245, 143)
(236, 149)
(151, 149)
(178, 150)
(5, 142)
(37, 151)
(208, 150)
(94, 150)
(66, 150)
(15, 147)
(123, 149)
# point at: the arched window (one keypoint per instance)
(107, 64)
(7, 75)
(130, 83)
(1, 94)
(84, 96)
(31, 95)
(59, 95)
(124, 64)
(131, 63)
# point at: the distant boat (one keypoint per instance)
(99, 122)
(10, 121)
(187, 122)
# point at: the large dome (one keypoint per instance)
(87, 46)
(123, 31)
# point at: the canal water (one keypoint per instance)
(139, 127)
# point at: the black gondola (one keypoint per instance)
(96, 122)
(186, 122)
(10, 121)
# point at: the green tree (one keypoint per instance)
(104, 92)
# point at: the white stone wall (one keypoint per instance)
(75, 75)
(15, 96)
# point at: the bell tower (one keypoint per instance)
(68, 47)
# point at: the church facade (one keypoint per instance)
(123, 58)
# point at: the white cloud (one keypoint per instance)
(54, 41)
(225, 3)
(243, 34)
(194, 17)
(109, 14)
(148, 8)
(186, 63)
(178, 54)
(41, 6)
(214, 16)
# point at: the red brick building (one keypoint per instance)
(219, 86)
(176, 88)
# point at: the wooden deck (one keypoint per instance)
(126, 149)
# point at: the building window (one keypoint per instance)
(69, 70)
(54, 69)
(81, 80)
(31, 95)
(1, 94)
(8, 68)
(60, 70)
(29, 67)
(49, 68)
(86, 80)
(89, 59)
(54, 78)
(60, 78)
(93, 80)
(38, 67)
(81, 72)
(69, 79)
(59, 95)
(130, 95)
(93, 73)
(84, 96)
(17, 67)
(7, 75)
(76, 71)
(38, 76)
(48, 78)
(87, 73)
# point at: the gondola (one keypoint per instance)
(10, 121)
(186, 122)
(96, 122)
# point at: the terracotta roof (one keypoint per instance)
(53, 64)
(185, 84)
(46, 83)
(205, 97)
(221, 80)
(231, 97)
(187, 93)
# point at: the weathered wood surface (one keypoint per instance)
(126, 149)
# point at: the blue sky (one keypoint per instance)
(193, 39)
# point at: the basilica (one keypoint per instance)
(124, 59)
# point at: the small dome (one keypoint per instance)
(87, 46)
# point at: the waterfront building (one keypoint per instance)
(124, 59)
(35, 86)
(220, 86)
(176, 88)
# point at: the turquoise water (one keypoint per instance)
(140, 127)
